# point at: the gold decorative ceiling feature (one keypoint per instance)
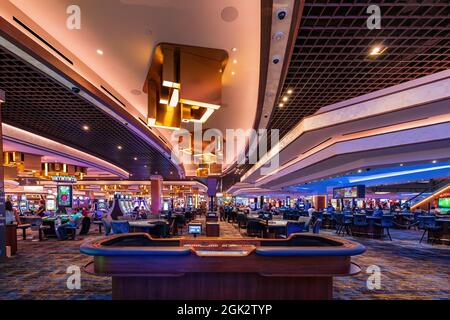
(184, 85)
(57, 169)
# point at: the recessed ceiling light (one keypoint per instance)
(233, 73)
(289, 91)
(100, 52)
(234, 49)
(359, 171)
(401, 164)
(234, 61)
(377, 50)
(119, 147)
(285, 99)
(86, 128)
(434, 161)
(145, 166)
(135, 158)
(281, 105)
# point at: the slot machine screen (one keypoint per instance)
(195, 229)
(64, 198)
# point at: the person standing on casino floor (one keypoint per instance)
(41, 210)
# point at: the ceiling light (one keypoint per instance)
(175, 98)
(233, 73)
(377, 50)
(285, 99)
(119, 147)
(434, 161)
(290, 91)
(135, 158)
(401, 164)
(396, 174)
(281, 105)
(234, 49)
(100, 52)
(359, 171)
(86, 128)
(234, 61)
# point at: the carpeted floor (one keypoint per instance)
(409, 270)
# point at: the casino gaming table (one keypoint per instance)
(300, 267)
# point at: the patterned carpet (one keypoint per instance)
(409, 270)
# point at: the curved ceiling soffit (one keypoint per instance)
(25, 48)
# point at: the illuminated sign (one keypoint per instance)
(358, 191)
(66, 179)
(64, 198)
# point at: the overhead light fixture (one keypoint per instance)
(377, 50)
(434, 161)
(233, 73)
(359, 171)
(86, 128)
(397, 174)
(174, 98)
(119, 147)
(281, 105)
(171, 84)
(401, 164)
(135, 158)
(285, 99)
(234, 49)
(100, 52)
(235, 61)
(289, 91)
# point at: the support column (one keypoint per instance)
(2, 189)
(212, 190)
(156, 191)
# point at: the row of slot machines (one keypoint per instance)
(25, 206)
(127, 204)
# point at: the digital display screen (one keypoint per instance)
(64, 196)
(349, 192)
(444, 203)
(195, 229)
(51, 205)
(101, 204)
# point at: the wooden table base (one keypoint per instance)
(222, 286)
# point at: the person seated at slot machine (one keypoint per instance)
(378, 212)
(41, 210)
(61, 231)
(142, 213)
(330, 208)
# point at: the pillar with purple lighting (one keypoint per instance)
(2, 191)
(156, 191)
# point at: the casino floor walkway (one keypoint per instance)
(409, 270)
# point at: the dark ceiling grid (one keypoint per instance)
(330, 63)
(39, 104)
